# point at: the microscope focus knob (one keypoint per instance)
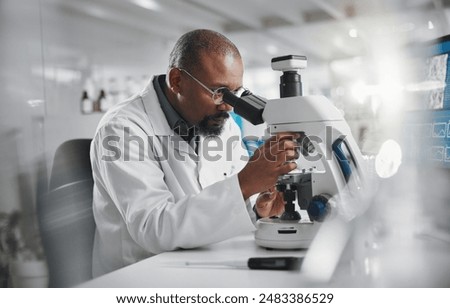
(318, 208)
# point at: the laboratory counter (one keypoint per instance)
(425, 264)
(169, 269)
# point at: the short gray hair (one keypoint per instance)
(187, 51)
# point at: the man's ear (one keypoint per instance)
(174, 79)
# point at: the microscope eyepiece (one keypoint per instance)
(248, 106)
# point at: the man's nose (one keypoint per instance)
(224, 107)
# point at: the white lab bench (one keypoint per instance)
(169, 270)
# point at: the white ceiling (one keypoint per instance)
(104, 38)
(262, 29)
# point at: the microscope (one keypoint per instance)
(330, 159)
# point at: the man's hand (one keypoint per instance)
(270, 161)
(270, 203)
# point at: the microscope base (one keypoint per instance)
(281, 234)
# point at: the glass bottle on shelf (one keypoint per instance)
(98, 104)
(86, 103)
(105, 101)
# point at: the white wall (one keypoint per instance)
(22, 103)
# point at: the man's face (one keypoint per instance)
(212, 125)
(196, 103)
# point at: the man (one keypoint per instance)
(168, 164)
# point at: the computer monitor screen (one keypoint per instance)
(427, 119)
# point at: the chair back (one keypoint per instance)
(65, 216)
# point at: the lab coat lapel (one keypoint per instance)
(159, 122)
(154, 112)
(213, 166)
(181, 146)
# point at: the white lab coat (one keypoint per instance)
(143, 205)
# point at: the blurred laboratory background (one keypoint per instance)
(382, 63)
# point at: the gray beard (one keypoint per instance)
(206, 130)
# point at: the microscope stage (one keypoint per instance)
(284, 234)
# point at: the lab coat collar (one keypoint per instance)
(158, 120)
(154, 112)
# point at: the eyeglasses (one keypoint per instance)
(216, 94)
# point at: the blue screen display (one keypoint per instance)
(427, 131)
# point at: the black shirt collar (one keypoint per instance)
(176, 122)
